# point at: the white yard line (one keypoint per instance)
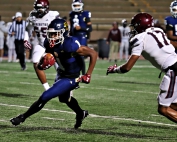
(2, 120)
(31, 66)
(155, 115)
(92, 115)
(24, 72)
(96, 88)
(53, 118)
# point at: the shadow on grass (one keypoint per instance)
(107, 131)
(140, 125)
(133, 82)
(13, 95)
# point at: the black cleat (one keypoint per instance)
(80, 118)
(17, 120)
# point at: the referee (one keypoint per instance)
(18, 29)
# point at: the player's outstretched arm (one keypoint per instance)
(123, 68)
(86, 51)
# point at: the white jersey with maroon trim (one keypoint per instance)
(41, 25)
(154, 46)
(124, 33)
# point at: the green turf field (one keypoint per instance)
(122, 107)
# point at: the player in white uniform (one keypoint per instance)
(40, 18)
(2, 30)
(10, 44)
(124, 29)
(153, 45)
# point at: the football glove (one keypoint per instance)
(85, 78)
(46, 61)
(27, 45)
(111, 69)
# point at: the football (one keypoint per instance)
(46, 61)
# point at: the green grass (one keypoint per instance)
(122, 107)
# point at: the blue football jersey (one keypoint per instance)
(171, 24)
(79, 18)
(70, 62)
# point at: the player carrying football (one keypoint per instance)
(67, 52)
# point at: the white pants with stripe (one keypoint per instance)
(38, 51)
(168, 89)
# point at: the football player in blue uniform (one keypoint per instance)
(67, 52)
(80, 23)
(171, 22)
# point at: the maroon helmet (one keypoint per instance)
(42, 7)
(141, 21)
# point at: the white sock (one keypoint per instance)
(71, 93)
(9, 55)
(46, 86)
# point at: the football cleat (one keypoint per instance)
(17, 120)
(80, 118)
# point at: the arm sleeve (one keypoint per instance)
(87, 29)
(169, 27)
(4, 28)
(137, 46)
(26, 36)
(11, 28)
(57, 14)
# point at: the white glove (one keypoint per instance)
(75, 24)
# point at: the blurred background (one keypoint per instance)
(104, 12)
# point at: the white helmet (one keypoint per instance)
(79, 7)
(173, 8)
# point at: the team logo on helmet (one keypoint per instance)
(66, 25)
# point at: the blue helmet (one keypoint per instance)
(77, 5)
(57, 31)
(173, 8)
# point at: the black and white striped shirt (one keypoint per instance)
(19, 28)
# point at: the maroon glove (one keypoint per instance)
(27, 45)
(85, 78)
(111, 69)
